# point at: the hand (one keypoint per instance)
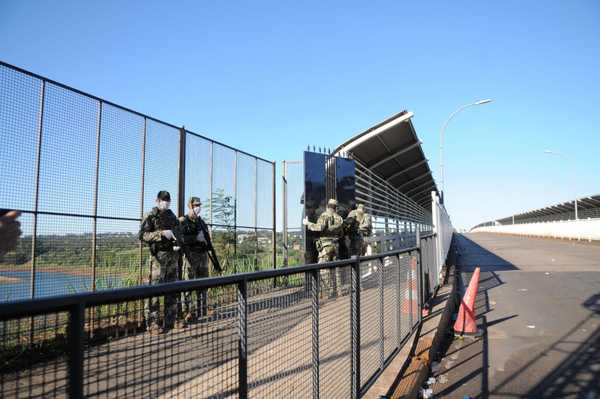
(305, 221)
(168, 234)
(200, 237)
(9, 231)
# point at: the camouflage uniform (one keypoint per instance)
(329, 225)
(195, 264)
(364, 230)
(164, 262)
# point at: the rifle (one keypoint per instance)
(210, 250)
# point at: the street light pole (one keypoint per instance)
(443, 132)
(558, 154)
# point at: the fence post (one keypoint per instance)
(381, 309)
(181, 186)
(75, 342)
(420, 292)
(242, 294)
(315, 286)
(355, 321)
(399, 301)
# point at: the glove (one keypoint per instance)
(200, 237)
(305, 221)
(168, 234)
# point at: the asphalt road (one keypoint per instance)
(538, 307)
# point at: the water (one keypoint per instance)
(48, 284)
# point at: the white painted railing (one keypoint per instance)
(583, 229)
(442, 226)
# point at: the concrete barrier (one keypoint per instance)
(583, 229)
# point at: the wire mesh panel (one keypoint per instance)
(117, 254)
(32, 361)
(15, 266)
(120, 163)
(20, 99)
(279, 338)
(199, 360)
(197, 171)
(265, 194)
(405, 295)
(63, 255)
(223, 195)
(68, 152)
(264, 240)
(247, 249)
(335, 334)
(161, 163)
(391, 304)
(370, 317)
(246, 191)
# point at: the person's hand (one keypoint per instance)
(168, 234)
(305, 221)
(10, 231)
(200, 237)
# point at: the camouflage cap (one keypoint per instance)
(194, 201)
(332, 202)
(163, 196)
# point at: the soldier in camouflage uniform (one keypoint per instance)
(329, 225)
(195, 259)
(157, 231)
(363, 229)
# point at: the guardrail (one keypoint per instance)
(582, 229)
(309, 331)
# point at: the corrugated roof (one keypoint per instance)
(392, 150)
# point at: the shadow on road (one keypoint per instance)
(578, 376)
(465, 363)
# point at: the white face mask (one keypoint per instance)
(196, 210)
(163, 205)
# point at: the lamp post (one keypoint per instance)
(443, 131)
(558, 154)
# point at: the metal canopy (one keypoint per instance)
(392, 150)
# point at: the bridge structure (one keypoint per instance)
(72, 311)
(74, 290)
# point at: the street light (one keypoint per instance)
(558, 154)
(443, 131)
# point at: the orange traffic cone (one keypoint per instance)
(465, 322)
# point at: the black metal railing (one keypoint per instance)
(319, 330)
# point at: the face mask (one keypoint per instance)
(330, 211)
(163, 205)
(196, 210)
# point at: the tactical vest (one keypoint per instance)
(157, 220)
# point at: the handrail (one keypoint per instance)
(37, 306)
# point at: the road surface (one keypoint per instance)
(538, 307)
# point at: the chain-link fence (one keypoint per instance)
(325, 330)
(83, 171)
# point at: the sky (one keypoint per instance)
(271, 78)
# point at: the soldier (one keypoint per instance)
(329, 225)
(365, 228)
(156, 230)
(195, 258)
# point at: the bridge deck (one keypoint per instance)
(538, 306)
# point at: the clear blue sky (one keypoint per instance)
(271, 78)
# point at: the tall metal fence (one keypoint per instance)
(83, 171)
(393, 212)
(321, 330)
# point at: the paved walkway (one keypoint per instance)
(538, 306)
